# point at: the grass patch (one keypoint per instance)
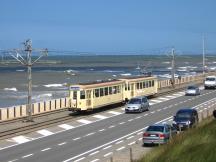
(194, 145)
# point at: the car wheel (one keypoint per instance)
(140, 110)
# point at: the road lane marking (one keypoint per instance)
(27, 156)
(165, 99)
(100, 116)
(63, 143)
(151, 103)
(138, 117)
(13, 160)
(66, 126)
(119, 142)
(157, 101)
(121, 123)
(130, 137)
(79, 159)
(95, 160)
(159, 110)
(105, 148)
(94, 153)
(139, 133)
(89, 134)
(114, 112)
(101, 130)
(110, 153)
(112, 126)
(145, 115)
(153, 112)
(76, 138)
(121, 148)
(20, 139)
(132, 143)
(130, 120)
(45, 149)
(45, 132)
(84, 121)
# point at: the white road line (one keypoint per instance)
(151, 103)
(66, 126)
(27, 156)
(63, 143)
(145, 115)
(105, 148)
(100, 116)
(138, 117)
(159, 110)
(110, 153)
(89, 134)
(45, 132)
(171, 96)
(157, 101)
(121, 148)
(95, 160)
(165, 99)
(76, 138)
(20, 139)
(130, 120)
(130, 137)
(101, 130)
(112, 126)
(140, 139)
(176, 94)
(139, 133)
(132, 143)
(153, 112)
(119, 142)
(121, 123)
(13, 160)
(84, 121)
(123, 108)
(79, 159)
(45, 149)
(93, 153)
(114, 112)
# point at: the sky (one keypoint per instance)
(109, 26)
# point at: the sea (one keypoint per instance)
(52, 75)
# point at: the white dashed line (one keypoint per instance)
(138, 117)
(130, 120)
(119, 142)
(153, 112)
(76, 138)
(79, 159)
(94, 160)
(100, 116)
(66, 126)
(157, 101)
(112, 126)
(84, 121)
(20, 139)
(101, 130)
(63, 143)
(45, 132)
(27, 156)
(105, 148)
(139, 133)
(121, 148)
(110, 153)
(94, 153)
(45, 149)
(140, 139)
(121, 123)
(130, 137)
(159, 110)
(89, 134)
(132, 143)
(145, 115)
(13, 160)
(114, 112)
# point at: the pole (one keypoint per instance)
(173, 67)
(203, 45)
(29, 107)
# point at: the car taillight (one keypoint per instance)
(145, 134)
(161, 135)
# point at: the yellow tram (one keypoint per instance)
(93, 95)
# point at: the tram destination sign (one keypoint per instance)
(74, 88)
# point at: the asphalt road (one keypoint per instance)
(98, 140)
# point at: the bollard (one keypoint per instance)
(131, 155)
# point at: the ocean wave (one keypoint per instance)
(112, 71)
(41, 97)
(20, 70)
(126, 74)
(166, 62)
(11, 89)
(53, 85)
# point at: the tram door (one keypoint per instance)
(74, 99)
(88, 98)
(132, 89)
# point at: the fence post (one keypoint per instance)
(131, 155)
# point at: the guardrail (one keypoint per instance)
(19, 111)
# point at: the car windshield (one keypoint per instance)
(183, 115)
(210, 79)
(191, 87)
(156, 128)
(135, 101)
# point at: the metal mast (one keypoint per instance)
(28, 63)
(173, 68)
(203, 50)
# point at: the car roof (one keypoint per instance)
(186, 110)
(140, 97)
(195, 86)
(159, 124)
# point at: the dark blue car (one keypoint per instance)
(185, 118)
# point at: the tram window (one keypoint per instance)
(141, 86)
(117, 89)
(144, 85)
(74, 95)
(114, 89)
(126, 88)
(106, 91)
(96, 92)
(101, 92)
(152, 83)
(82, 94)
(110, 90)
(137, 86)
(149, 83)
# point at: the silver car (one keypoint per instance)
(137, 104)
(192, 90)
